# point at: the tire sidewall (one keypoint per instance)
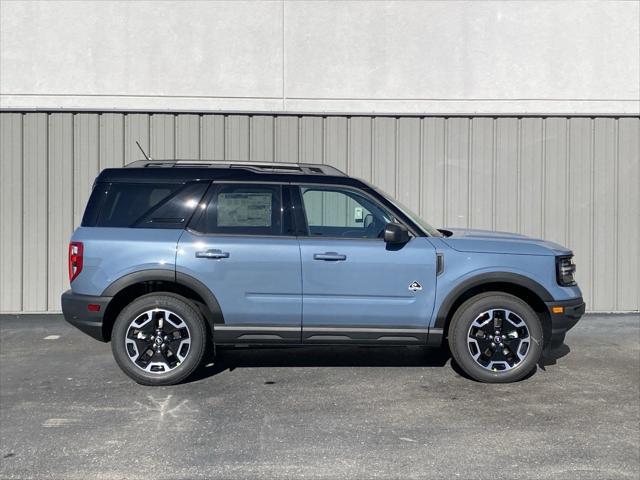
(180, 307)
(465, 316)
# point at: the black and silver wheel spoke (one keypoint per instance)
(157, 341)
(498, 340)
(169, 358)
(145, 357)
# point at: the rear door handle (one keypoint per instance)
(329, 256)
(212, 253)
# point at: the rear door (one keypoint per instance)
(243, 248)
(356, 288)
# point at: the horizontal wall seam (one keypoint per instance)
(324, 99)
(275, 113)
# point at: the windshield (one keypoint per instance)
(409, 213)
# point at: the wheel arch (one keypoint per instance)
(131, 286)
(526, 289)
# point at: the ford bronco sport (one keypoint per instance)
(174, 257)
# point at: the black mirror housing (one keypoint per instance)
(396, 234)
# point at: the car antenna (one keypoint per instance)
(148, 157)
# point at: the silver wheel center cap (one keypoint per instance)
(158, 340)
(498, 338)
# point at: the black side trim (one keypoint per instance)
(168, 276)
(439, 263)
(436, 335)
(362, 336)
(74, 308)
(256, 334)
(299, 217)
(155, 274)
(486, 278)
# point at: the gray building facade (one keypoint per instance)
(516, 116)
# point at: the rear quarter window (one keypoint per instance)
(143, 205)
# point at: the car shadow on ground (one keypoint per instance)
(229, 359)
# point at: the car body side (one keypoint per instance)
(120, 263)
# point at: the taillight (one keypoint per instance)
(75, 259)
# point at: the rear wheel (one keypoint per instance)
(159, 339)
(496, 337)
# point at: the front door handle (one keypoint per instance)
(329, 256)
(212, 253)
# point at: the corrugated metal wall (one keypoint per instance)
(572, 180)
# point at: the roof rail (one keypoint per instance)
(259, 167)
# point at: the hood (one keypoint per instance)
(486, 241)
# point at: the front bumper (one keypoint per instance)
(76, 311)
(572, 311)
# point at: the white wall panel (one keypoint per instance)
(605, 221)
(262, 148)
(163, 139)
(457, 172)
(236, 139)
(311, 140)
(287, 139)
(628, 212)
(506, 191)
(571, 180)
(60, 205)
(86, 163)
(531, 176)
(35, 206)
(111, 140)
(580, 226)
(11, 211)
(187, 137)
(212, 137)
(360, 148)
(434, 134)
(482, 181)
(556, 180)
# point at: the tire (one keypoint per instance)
(473, 330)
(152, 359)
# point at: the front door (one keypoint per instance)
(241, 247)
(356, 288)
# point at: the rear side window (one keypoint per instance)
(143, 205)
(243, 209)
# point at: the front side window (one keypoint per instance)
(342, 212)
(243, 209)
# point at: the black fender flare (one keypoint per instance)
(165, 275)
(485, 279)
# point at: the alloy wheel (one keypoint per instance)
(157, 341)
(498, 340)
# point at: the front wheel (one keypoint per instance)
(496, 337)
(159, 339)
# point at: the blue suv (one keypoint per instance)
(174, 257)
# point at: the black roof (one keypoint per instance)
(181, 171)
(166, 171)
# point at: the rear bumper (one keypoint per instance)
(76, 311)
(572, 311)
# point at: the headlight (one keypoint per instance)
(565, 270)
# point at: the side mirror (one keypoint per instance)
(396, 234)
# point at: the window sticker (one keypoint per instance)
(244, 209)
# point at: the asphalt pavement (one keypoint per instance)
(66, 411)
